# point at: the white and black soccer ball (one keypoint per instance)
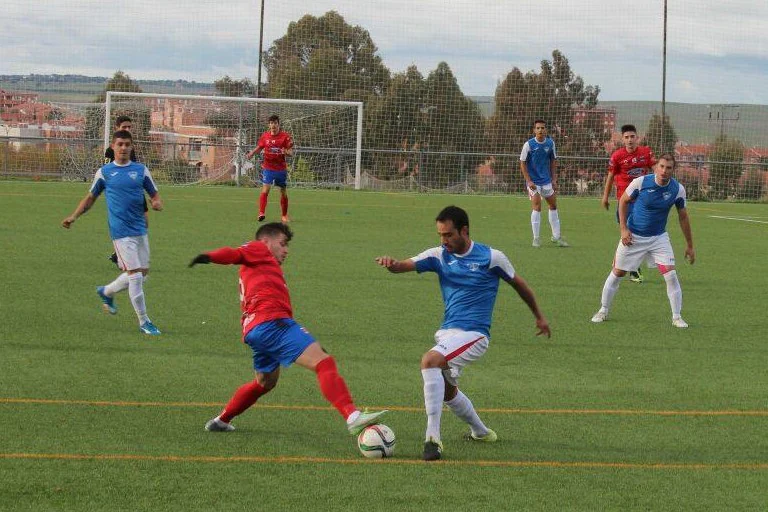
(376, 442)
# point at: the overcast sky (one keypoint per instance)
(717, 51)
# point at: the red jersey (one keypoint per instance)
(263, 291)
(626, 166)
(273, 146)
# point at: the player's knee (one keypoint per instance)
(619, 273)
(268, 381)
(432, 359)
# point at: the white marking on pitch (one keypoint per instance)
(738, 218)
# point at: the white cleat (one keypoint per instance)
(600, 317)
(679, 323)
(560, 242)
(364, 419)
(216, 425)
(536, 243)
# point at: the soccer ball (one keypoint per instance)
(376, 442)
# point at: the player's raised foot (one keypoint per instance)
(489, 437)
(364, 419)
(261, 217)
(433, 449)
(284, 219)
(679, 322)
(536, 243)
(149, 328)
(107, 302)
(600, 316)
(560, 242)
(636, 276)
(216, 425)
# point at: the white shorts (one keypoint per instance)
(653, 249)
(132, 252)
(459, 348)
(542, 190)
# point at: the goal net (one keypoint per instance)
(187, 139)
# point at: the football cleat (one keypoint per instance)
(536, 243)
(261, 217)
(216, 425)
(636, 276)
(489, 437)
(433, 449)
(107, 302)
(600, 316)
(149, 328)
(364, 419)
(560, 242)
(679, 323)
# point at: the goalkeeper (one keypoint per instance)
(275, 144)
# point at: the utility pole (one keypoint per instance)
(722, 113)
(664, 78)
(261, 46)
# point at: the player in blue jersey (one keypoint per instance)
(469, 274)
(644, 235)
(124, 183)
(538, 163)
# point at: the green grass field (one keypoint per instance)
(632, 414)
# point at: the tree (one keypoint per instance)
(119, 82)
(726, 159)
(654, 139)
(555, 95)
(324, 58)
(239, 88)
(94, 116)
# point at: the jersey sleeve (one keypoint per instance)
(633, 189)
(428, 261)
(613, 165)
(553, 155)
(525, 151)
(500, 265)
(149, 183)
(226, 256)
(681, 200)
(97, 186)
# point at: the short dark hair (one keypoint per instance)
(274, 117)
(272, 229)
(537, 121)
(628, 128)
(456, 215)
(670, 158)
(122, 134)
(122, 119)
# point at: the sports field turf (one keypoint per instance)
(632, 414)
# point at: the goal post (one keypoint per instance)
(189, 139)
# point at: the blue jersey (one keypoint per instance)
(469, 283)
(538, 157)
(652, 204)
(124, 186)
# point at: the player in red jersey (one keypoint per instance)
(275, 144)
(626, 164)
(271, 332)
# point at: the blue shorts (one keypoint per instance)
(277, 342)
(274, 177)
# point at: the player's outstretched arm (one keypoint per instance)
(396, 266)
(525, 293)
(200, 259)
(84, 205)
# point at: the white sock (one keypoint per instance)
(554, 223)
(118, 285)
(434, 391)
(610, 288)
(463, 408)
(674, 292)
(535, 223)
(136, 291)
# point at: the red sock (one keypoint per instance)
(262, 203)
(333, 387)
(284, 205)
(245, 396)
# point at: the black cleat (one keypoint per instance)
(433, 450)
(262, 217)
(113, 258)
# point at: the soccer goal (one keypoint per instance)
(187, 139)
